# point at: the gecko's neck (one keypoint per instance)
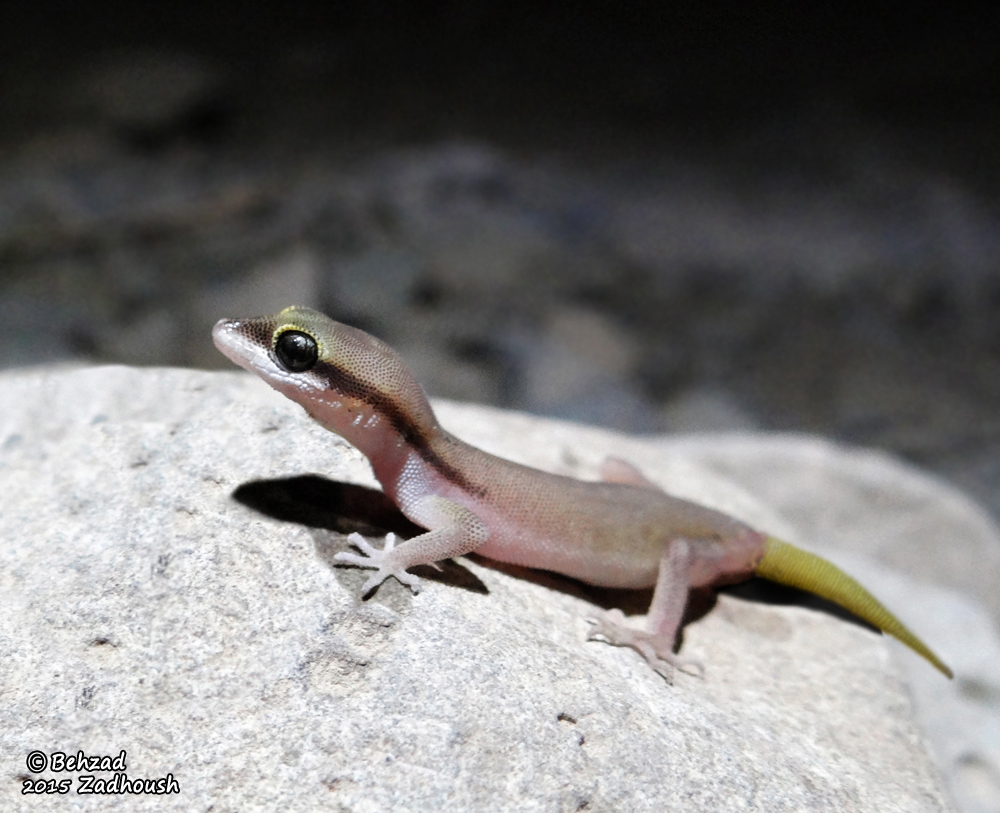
(379, 435)
(398, 445)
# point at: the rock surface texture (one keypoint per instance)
(146, 609)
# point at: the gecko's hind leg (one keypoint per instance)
(611, 627)
(656, 642)
(616, 470)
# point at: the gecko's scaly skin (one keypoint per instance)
(622, 532)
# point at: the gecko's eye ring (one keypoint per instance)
(296, 351)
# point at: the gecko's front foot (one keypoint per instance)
(611, 627)
(378, 559)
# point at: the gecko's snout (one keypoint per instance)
(226, 338)
(246, 342)
(225, 328)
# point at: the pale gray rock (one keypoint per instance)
(961, 718)
(145, 609)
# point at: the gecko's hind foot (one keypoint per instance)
(378, 559)
(611, 628)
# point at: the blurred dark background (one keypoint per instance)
(651, 216)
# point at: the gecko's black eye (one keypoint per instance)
(296, 351)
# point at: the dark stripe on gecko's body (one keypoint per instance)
(350, 385)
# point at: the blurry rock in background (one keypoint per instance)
(597, 289)
(149, 95)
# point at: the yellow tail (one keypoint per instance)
(786, 564)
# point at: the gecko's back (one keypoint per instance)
(606, 533)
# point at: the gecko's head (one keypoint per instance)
(325, 366)
(284, 350)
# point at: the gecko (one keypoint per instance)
(621, 532)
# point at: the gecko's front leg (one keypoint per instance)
(453, 530)
(380, 559)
